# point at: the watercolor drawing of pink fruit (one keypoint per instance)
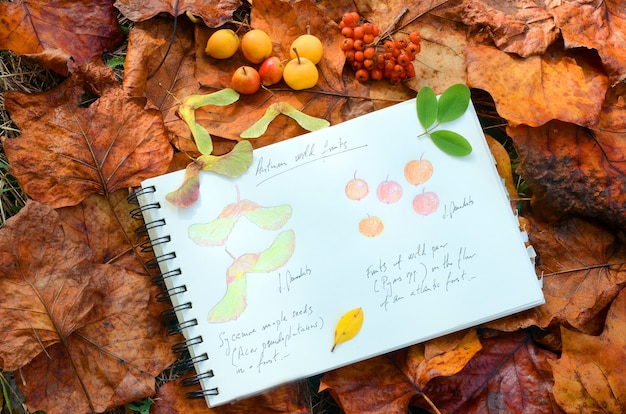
(389, 191)
(357, 188)
(426, 203)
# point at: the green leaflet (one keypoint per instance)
(453, 103)
(232, 164)
(426, 104)
(310, 123)
(451, 143)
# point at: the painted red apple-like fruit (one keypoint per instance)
(389, 191)
(426, 203)
(357, 188)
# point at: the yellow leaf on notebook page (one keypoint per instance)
(348, 326)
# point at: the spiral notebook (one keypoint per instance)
(361, 215)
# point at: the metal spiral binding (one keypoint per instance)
(169, 316)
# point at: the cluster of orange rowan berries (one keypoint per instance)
(376, 59)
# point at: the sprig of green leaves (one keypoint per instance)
(432, 112)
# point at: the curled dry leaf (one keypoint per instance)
(61, 37)
(598, 25)
(213, 14)
(513, 27)
(568, 87)
(422, 368)
(589, 376)
(67, 152)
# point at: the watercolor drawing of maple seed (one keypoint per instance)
(216, 233)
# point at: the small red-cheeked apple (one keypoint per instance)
(300, 73)
(246, 80)
(271, 71)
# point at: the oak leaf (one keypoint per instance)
(67, 152)
(598, 25)
(589, 376)
(578, 170)
(213, 13)
(83, 334)
(61, 36)
(568, 87)
(172, 398)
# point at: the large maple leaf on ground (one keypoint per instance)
(589, 376)
(67, 152)
(59, 34)
(83, 334)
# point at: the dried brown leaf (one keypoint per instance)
(589, 376)
(578, 283)
(524, 28)
(172, 399)
(578, 170)
(61, 36)
(85, 336)
(568, 87)
(213, 13)
(67, 152)
(510, 374)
